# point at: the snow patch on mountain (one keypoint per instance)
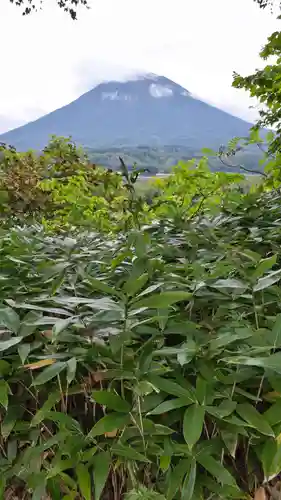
(157, 90)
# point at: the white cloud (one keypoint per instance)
(49, 60)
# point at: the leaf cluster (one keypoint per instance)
(151, 358)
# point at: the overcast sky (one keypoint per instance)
(47, 60)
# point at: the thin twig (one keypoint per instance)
(258, 172)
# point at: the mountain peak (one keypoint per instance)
(146, 109)
(146, 85)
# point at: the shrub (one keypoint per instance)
(151, 359)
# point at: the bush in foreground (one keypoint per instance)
(150, 359)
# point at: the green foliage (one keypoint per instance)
(140, 341)
(150, 358)
(159, 160)
(264, 84)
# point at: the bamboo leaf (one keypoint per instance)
(111, 400)
(49, 373)
(101, 464)
(193, 424)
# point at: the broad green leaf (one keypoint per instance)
(84, 481)
(63, 420)
(109, 423)
(270, 456)
(275, 335)
(170, 387)
(53, 398)
(225, 339)
(187, 352)
(162, 300)
(71, 370)
(128, 452)
(99, 285)
(254, 418)
(230, 439)
(208, 152)
(264, 266)
(29, 323)
(4, 392)
(272, 362)
(189, 482)
(12, 450)
(5, 367)
(193, 422)
(9, 421)
(268, 280)
(9, 318)
(49, 373)
(111, 400)
(24, 350)
(6, 344)
(223, 410)
(164, 462)
(149, 289)
(270, 136)
(101, 465)
(215, 468)
(231, 286)
(133, 285)
(273, 414)
(169, 405)
(39, 492)
(3, 484)
(61, 325)
(176, 477)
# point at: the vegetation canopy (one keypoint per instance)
(140, 331)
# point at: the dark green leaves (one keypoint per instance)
(101, 465)
(109, 423)
(162, 300)
(254, 418)
(169, 405)
(49, 373)
(171, 387)
(176, 477)
(215, 468)
(4, 391)
(272, 362)
(189, 482)
(141, 352)
(84, 481)
(111, 401)
(9, 318)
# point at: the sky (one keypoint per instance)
(48, 60)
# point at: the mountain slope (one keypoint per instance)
(149, 110)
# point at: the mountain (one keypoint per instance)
(149, 110)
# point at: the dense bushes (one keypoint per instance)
(147, 362)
